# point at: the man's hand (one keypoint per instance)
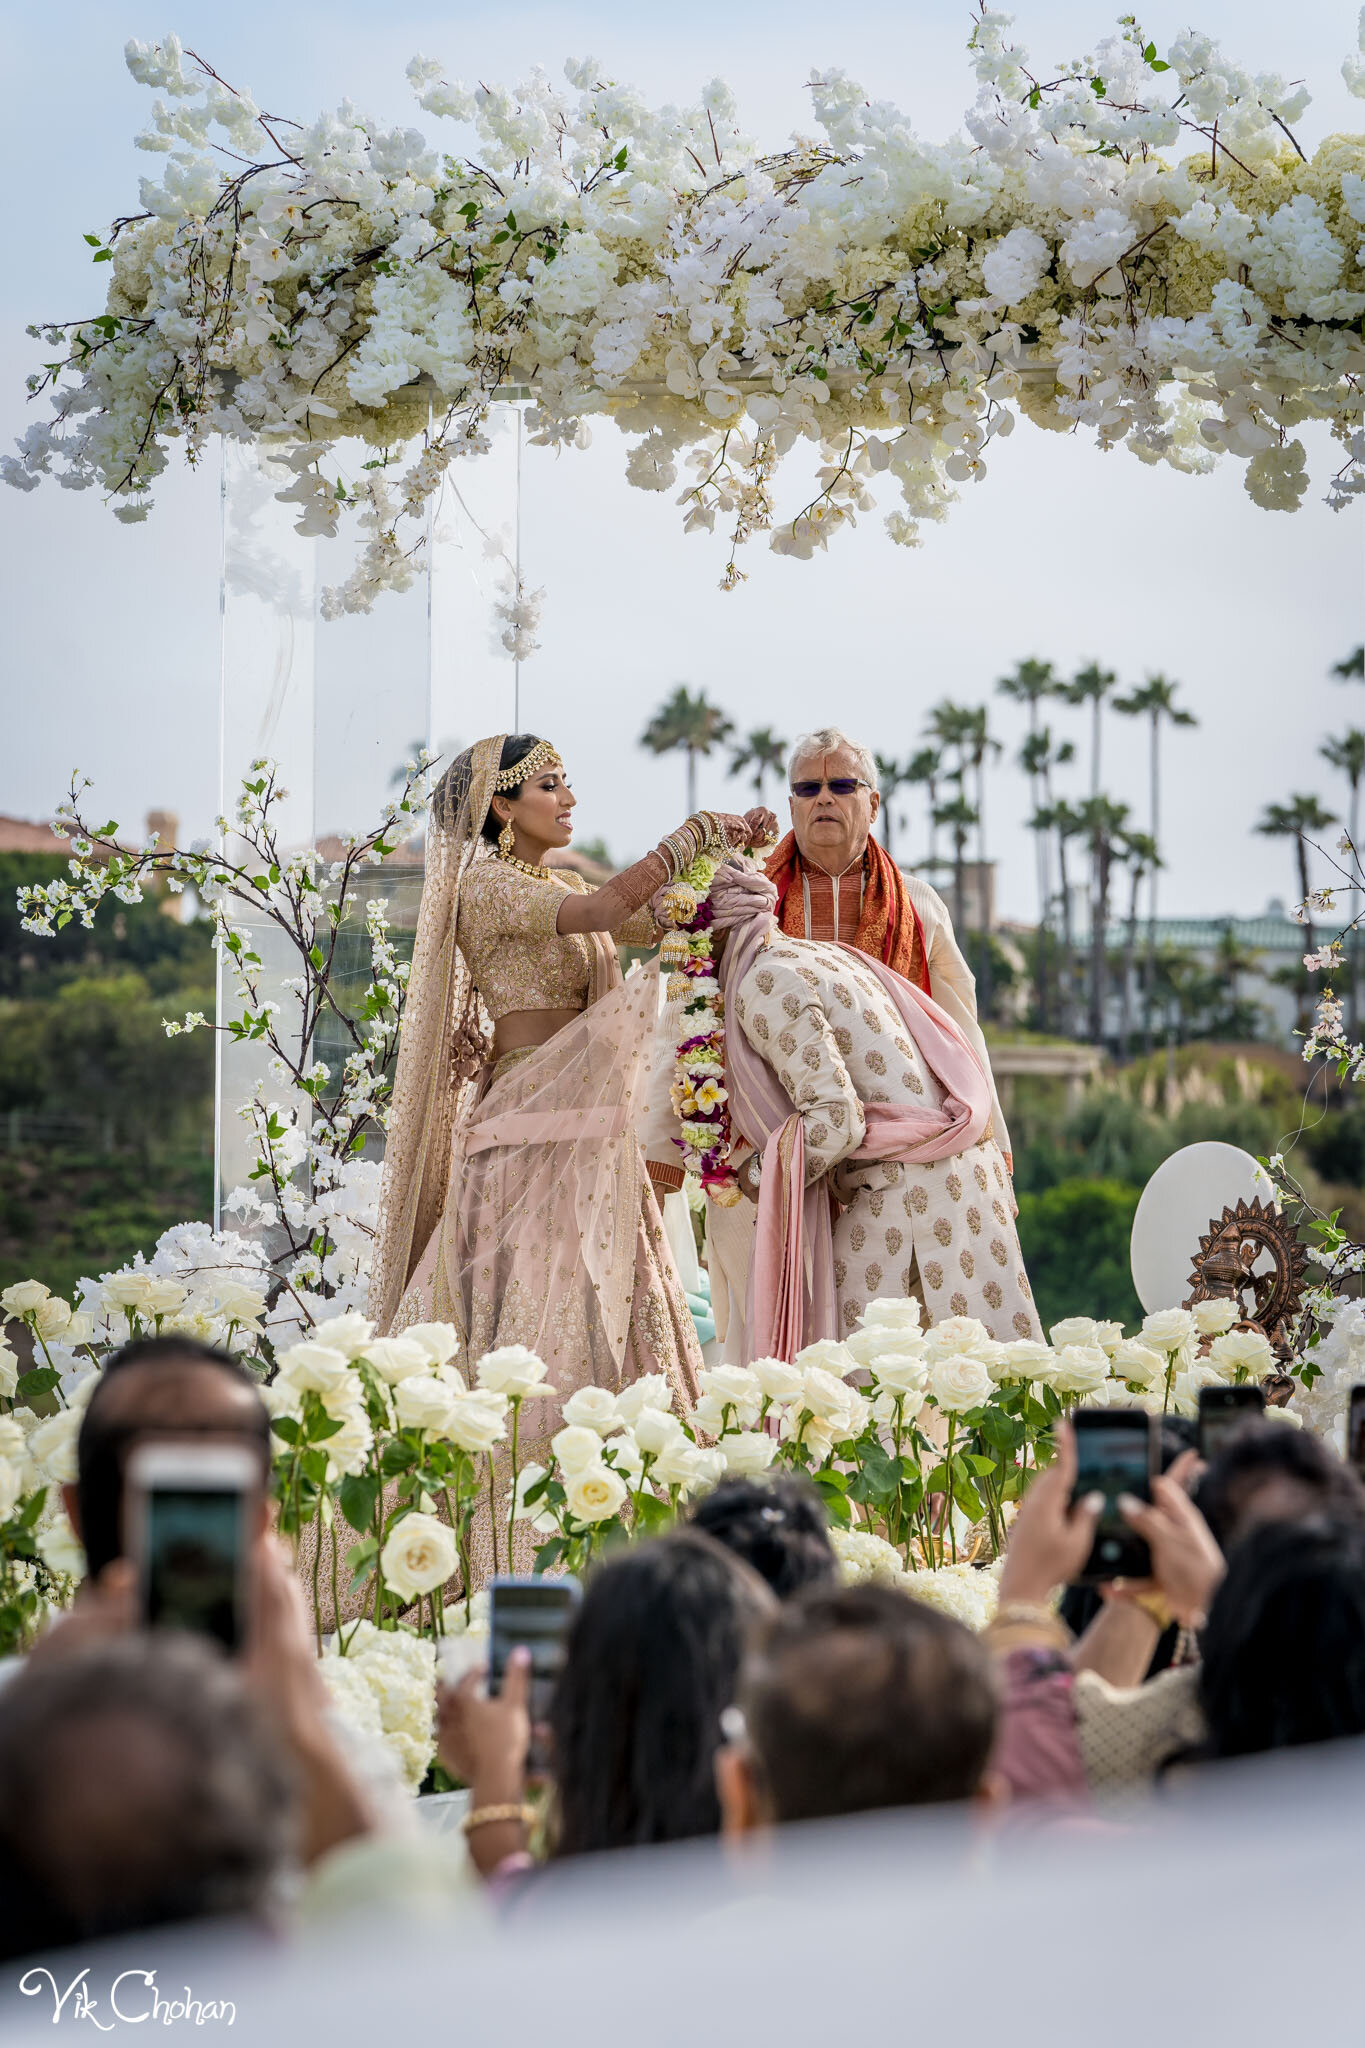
(1187, 1565)
(1050, 1539)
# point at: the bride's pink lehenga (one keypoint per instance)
(516, 1204)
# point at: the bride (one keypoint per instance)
(515, 1198)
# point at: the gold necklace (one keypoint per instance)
(527, 867)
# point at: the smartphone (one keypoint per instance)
(192, 1511)
(1115, 1454)
(1222, 1410)
(1355, 1431)
(533, 1614)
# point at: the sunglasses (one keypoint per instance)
(838, 785)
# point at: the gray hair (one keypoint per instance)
(827, 739)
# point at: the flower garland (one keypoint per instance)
(698, 1093)
(1135, 244)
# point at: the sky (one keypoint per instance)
(112, 639)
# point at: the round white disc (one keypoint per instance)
(1175, 1209)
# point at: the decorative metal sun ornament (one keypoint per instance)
(1223, 1269)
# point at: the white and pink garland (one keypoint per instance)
(698, 1094)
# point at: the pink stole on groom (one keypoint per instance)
(792, 1296)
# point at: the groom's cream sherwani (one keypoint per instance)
(943, 1231)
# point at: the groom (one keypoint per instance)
(853, 1082)
(834, 881)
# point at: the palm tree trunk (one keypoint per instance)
(1352, 990)
(960, 881)
(1149, 978)
(1129, 949)
(1068, 962)
(691, 781)
(1301, 850)
(1098, 934)
(987, 975)
(1095, 751)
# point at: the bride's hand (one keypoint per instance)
(739, 831)
(763, 826)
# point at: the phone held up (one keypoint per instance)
(192, 1510)
(532, 1613)
(1222, 1411)
(1116, 1450)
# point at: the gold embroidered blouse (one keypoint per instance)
(507, 933)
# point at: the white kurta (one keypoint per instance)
(943, 1231)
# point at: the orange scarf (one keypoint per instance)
(889, 929)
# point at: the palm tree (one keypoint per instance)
(1091, 685)
(1103, 823)
(1068, 824)
(1153, 700)
(1348, 755)
(1295, 820)
(762, 751)
(1138, 851)
(979, 744)
(692, 724)
(953, 726)
(925, 766)
(959, 817)
(1352, 669)
(1038, 756)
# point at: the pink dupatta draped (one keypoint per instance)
(792, 1296)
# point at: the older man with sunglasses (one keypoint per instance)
(834, 881)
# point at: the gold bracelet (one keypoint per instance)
(1033, 1613)
(1154, 1606)
(484, 1816)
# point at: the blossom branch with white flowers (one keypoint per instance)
(886, 300)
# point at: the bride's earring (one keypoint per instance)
(506, 840)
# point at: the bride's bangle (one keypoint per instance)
(485, 1816)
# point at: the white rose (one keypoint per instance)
(396, 1358)
(13, 1442)
(541, 1519)
(959, 1382)
(709, 1466)
(656, 1429)
(747, 1453)
(440, 1341)
(1137, 1363)
(576, 1447)
(61, 1549)
(903, 1372)
(892, 1312)
(11, 1486)
(349, 1449)
(1168, 1329)
(419, 1555)
(314, 1368)
(679, 1464)
(164, 1297)
(594, 1493)
(53, 1445)
(1212, 1318)
(52, 1318)
(350, 1334)
(9, 1372)
(1240, 1353)
(80, 1330)
(423, 1403)
(828, 1356)
(824, 1395)
(733, 1386)
(1026, 1359)
(1186, 1385)
(817, 1436)
(708, 1417)
(593, 1408)
(514, 1371)
(238, 1304)
(867, 1346)
(1072, 1330)
(622, 1453)
(957, 1337)
(476, 1421)
(651, 1390)
(1108, 1336)
(21, 1299)
(1080, 1369)
(778, 1380)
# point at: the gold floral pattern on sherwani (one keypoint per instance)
(902, 1229)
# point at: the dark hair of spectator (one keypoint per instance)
(858, 1698)
(1258, 1455)
(650, 1665)
(103, 1444)
(139, 1786)
(1284, 1649)
(776, 1525)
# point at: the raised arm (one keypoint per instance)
(613, 907)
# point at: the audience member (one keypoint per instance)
(1267, 1472)
(776, 1525)
(650, 1665)
(1284, 1648)
(141, 1784)
(856, 1699)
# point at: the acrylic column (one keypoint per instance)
(341, 704)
